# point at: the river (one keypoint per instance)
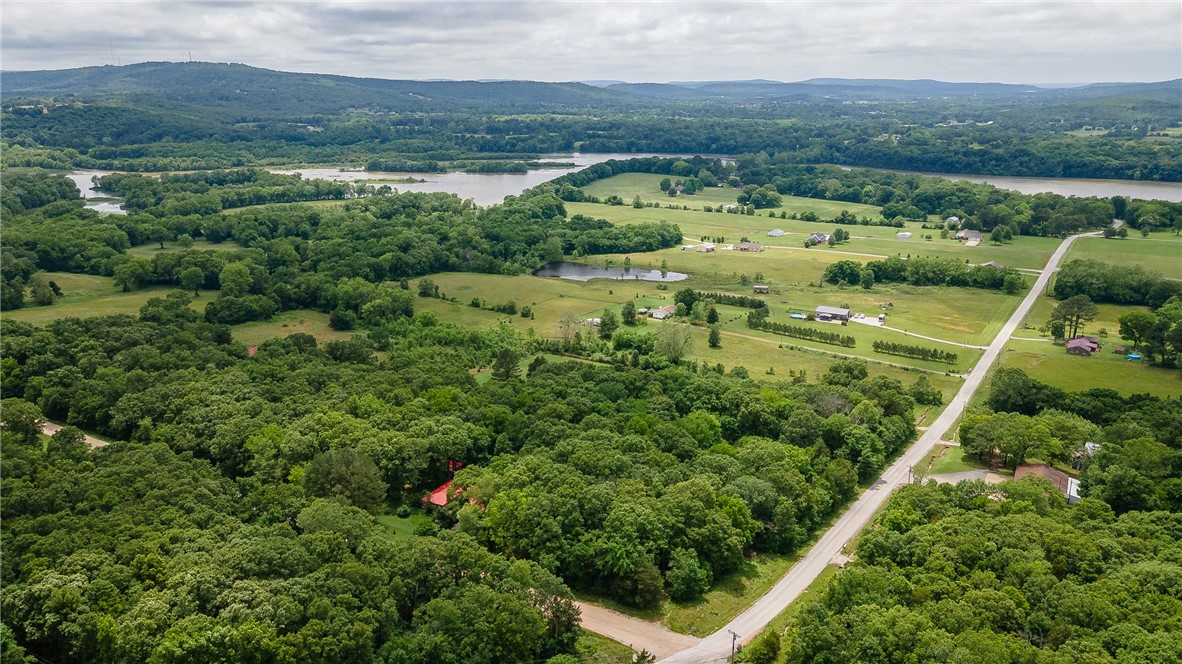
(95, 199)
(1166, 191)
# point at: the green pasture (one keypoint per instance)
(199, 244)
(402, 527)
(287, 323)
(1051, 364)
(1160, 252)
(86, 295)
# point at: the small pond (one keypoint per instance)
(581, 272)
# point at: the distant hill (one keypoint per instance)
(235, 91)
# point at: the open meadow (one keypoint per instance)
(85, 295)
(1160, 252)
(1051, 364)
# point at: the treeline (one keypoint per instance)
(917, 352)
(925, 271)
(758, 322)
(1115, 284)
(25, 191)
(209, 192)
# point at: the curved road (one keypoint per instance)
(717, 646)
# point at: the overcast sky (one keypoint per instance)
(1013, 42)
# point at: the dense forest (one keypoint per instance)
(1010, 572)
(161, 116)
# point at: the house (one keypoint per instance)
(903, 235)
(661, 313)
(776, 232)
(642, 311)
(592, 321)
(440, 496)
(706, 247)
(994, 264)
(748, 246)
(760, 288)
(1067, 485)
(832, 313)
(968, 234)
(816, 238)
(952, 220)
(1082, 345)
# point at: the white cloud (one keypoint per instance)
(637, 41)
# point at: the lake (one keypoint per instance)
(483, 188)
(1166, 191)
(581, 272)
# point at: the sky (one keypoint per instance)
(1009, 42)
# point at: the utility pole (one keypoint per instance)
(734, 640)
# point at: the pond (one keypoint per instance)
(581, 272)
(96, 200)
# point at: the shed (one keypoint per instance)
(760, 288)
(903, 235)
(1120, 350)
(832, 313)
(967, 235)
(1069, 486)
(993, 264)
(776, 232)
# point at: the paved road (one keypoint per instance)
(635, 632)
(50, 428)
(717, 646)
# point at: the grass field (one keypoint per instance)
(86, 295)
(200, 244)
(948, 459)
(404, 527)
(595, 649)
(555, 299)
(285, 323)
(1160, 252)
(1107, 318)
(1051, 364)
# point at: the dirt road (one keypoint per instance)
(640, 634)
(50, 428)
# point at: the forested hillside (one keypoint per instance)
(169, 116)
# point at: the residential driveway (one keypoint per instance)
(979, 474)
(634, 631)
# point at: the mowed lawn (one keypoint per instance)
(86, 295)
(1051, 364)
(1160, 252)
(1107, 318)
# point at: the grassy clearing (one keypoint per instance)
(595, 649)
(949, 459)
(87, 295)
(286, 323)
(729, 597)
(399, 527)
(1051, 364)
(1160, 252)
(324, 204)
(485, 374)
(199, 244)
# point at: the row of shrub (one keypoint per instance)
(757, 322)
(917, 352)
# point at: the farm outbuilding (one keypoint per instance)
(776, 232)
(904, 235)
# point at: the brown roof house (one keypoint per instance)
(748, 246)
(967, 234)
(1082, 345)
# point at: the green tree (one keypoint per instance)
(184, 241)
(191, 279)
(346, 473)
(675, 341)
(628, 313)
(1075, 312)
(609, 322)
(235, 280)
(505, 367)
(21, 419)
(686, 579)
(1137, 326)
(866, 279)
(715, 337)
